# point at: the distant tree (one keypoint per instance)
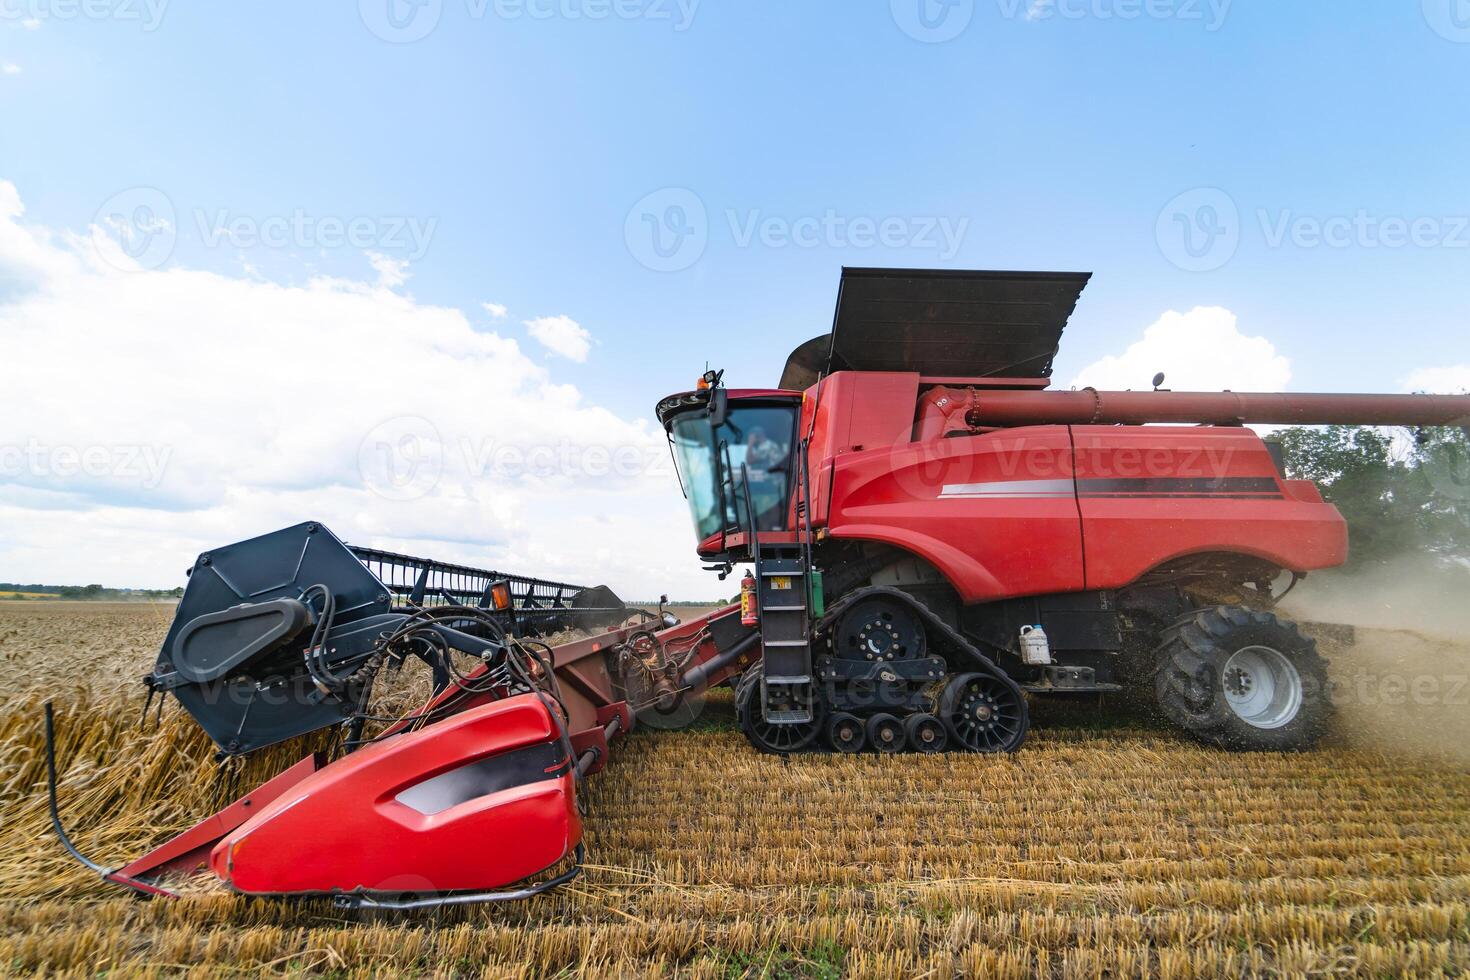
(1401, 493)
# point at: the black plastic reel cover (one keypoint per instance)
(276, 700)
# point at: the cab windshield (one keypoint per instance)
(758, 437)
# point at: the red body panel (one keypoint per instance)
(971, 508)
(1151, 494)
(344, 828)
(1048, 508)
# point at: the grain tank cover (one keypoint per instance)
(943, 323)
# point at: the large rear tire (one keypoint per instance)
(1243, 679)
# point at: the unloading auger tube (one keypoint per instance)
(1089, 406)
(472, 796)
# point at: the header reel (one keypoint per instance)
(286, 633)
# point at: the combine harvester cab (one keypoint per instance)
(451, 802)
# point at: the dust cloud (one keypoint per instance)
(1401, 675)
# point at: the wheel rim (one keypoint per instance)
(1262, 687)
(775, 739)
(782, 738)
(981, 714)
(879, 630)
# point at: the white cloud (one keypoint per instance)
(1448, 380)
(10, 68)
(31, 23)
(11, 206)
(148, 415)
(496, 310)
(1040, 9)
(392, 272)
(561, 335)
(1202, 350)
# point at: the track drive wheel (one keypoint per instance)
(846, 733)
(885, 734)
(1243, 679)
(983, 714)
(772, 739)
(926, 733)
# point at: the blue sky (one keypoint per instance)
(521, 153)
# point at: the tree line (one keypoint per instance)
(1402, 492)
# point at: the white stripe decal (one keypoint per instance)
(1009, 488)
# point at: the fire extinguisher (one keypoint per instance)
(749, 616)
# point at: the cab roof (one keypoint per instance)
(947, 322)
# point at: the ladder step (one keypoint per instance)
(785, 608)
(784, 643)
(789, 679)
(788, 717)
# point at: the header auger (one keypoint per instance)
(934, 538)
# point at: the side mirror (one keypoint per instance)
(719, 406)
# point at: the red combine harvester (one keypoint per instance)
(934, 536)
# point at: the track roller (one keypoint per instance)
(885, 734)
(846, 733)
(925, 733)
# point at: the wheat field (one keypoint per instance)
(1107, 847)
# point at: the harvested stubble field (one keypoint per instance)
(1107, 847)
